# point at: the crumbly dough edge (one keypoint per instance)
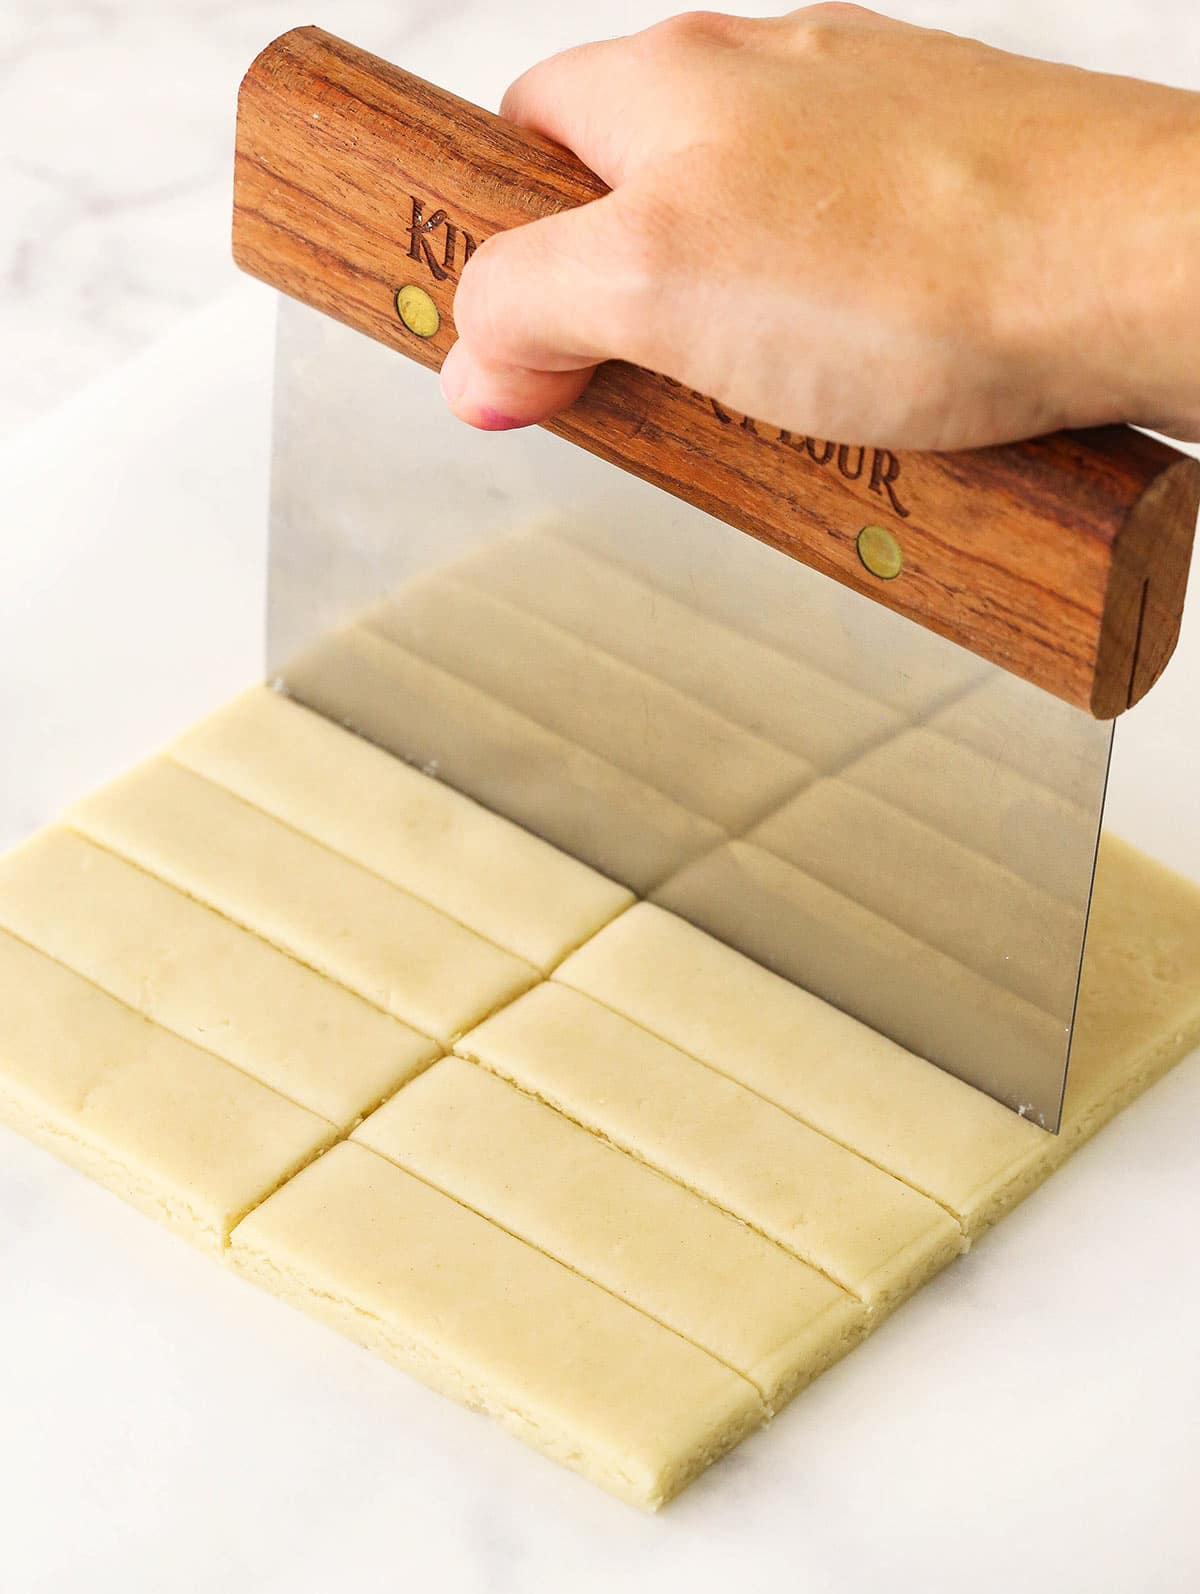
(88, 1157)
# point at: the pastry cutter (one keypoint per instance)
(847, 709)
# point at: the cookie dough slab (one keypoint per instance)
(545, 782)
(496, 1324)
(417, 833)
(860, 1226)
(651, 1198)
(754, 686)
(183, 1135)
(394, 950)
(612, 1219)
(205, 979)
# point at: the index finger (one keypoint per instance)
(589, 98)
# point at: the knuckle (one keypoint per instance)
(820, 26)
(831, 10)
(693, 27)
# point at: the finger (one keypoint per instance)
(621, 103)
(496, 398)
(537, 308)
(590, 98)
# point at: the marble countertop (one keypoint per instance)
(117, 184)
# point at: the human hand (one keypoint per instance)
(852, 228)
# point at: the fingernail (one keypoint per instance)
(490, 420)
(455, 371)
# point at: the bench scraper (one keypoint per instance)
(866, 744)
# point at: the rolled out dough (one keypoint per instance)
(619, 1230)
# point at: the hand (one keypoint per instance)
(852, 228)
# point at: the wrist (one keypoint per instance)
(1148, 321)
(1099, 307)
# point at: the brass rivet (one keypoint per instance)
(880, 552)
(417, 310)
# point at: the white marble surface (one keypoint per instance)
(115, 171)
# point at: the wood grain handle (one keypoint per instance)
(1063, 559)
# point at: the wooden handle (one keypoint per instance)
(362, 191)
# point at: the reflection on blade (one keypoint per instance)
(550, 785)
(856, 804)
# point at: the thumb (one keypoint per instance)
(535, 313)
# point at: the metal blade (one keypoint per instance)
(860, 806)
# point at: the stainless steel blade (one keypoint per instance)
(858, 805)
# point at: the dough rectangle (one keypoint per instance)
(496, 1324)
(387, 946)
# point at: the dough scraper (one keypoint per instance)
(846, 709)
